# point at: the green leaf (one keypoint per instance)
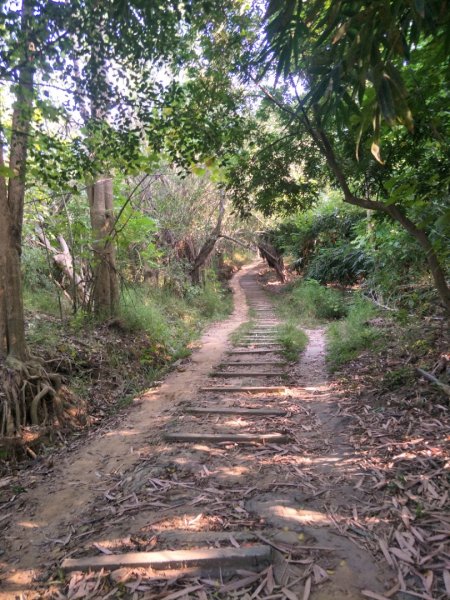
(7, 172)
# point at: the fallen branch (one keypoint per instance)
(442, 386)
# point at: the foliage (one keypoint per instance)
(360, 108)
(396, 260)
(322, 242)
(342, 264)
(170, 321)
(356, 51)
(352, 335)
(292, 339)
(309, 301)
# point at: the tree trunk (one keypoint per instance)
(12, 324)
(208, 246)
(273, 259)
(12, 192)
(63, 259)
(106, 290)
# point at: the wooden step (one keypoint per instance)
(251, 556)
(261, 333)
(251, 388)
(248, 374)
(262, 344)
(256, 351)
(264, 337)
(236, 363)
(259, 338)
(238, 438)
(269, 340)
(236, 410)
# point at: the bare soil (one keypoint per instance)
(311, 499)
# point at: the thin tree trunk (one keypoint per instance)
(106, 292)
(12, 192)
(273, 259)
(63, 259)
(208, 246)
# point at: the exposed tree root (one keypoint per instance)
(30, 396)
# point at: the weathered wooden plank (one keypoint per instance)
(247, 374)
(256, 351)
(236, 410)
(257, 363)
(174, 559)
(239, 438)
(235, 388)
(260, 342)
(270, 344)
(266, 340)
(263, 333)
(260, 336)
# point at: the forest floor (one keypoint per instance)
(337, 493)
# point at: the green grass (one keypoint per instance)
(353, 334)
(172, 321)
(252, 314)
(44, 300)
(310, 303)
(239, 334)
(292, 339)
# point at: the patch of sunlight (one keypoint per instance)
(300, 515)
(30, 525)
(19, 581)
(325, 389)
(237, 423)
(122, 432)
(237, 471)
(319, 460)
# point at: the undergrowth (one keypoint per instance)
(309, 302)
(292, 339)
(109, 363)
(348, 316)
(172, 321)
(353, 334)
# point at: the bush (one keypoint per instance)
(292, 339)
(342, 264)
(311, 300)
(172, 321)
(320, 241)
(352, 335)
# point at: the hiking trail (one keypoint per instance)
(240, 455)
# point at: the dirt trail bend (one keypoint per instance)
(239, 450)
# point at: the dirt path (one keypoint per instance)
(137, 488)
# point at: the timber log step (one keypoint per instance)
(251, 389)
(248, 374)
(248, 412)
(237, 438)
(251, 556)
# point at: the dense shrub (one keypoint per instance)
(171, 321)
(311, 301)
(342, 264)
(350, 336)
(321, 242)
